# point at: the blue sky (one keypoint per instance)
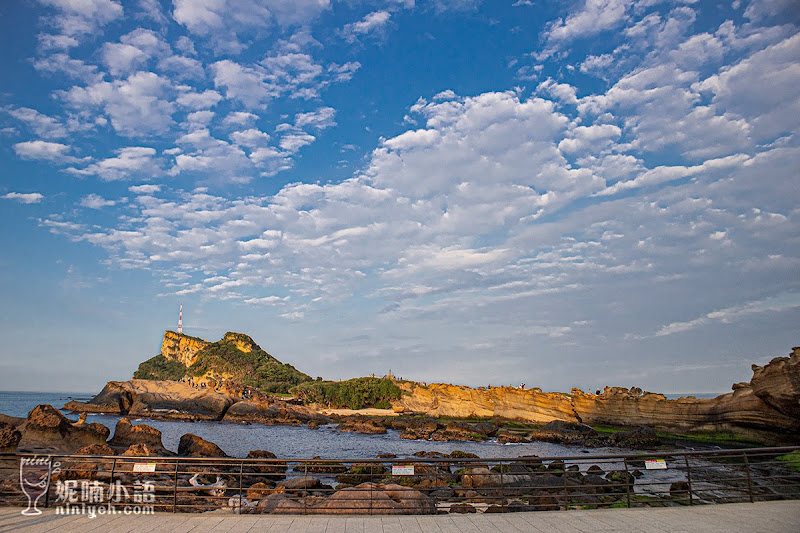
(582, 193)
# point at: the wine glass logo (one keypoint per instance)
(34, 479)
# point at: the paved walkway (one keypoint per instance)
(762, 517)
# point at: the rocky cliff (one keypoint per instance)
(181, 348)
(767, 409)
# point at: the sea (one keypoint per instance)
(290, 442)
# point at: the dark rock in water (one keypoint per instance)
(47, 429)
(362, 473)
(9, 437)
(430, 455)
(313, 424)
(679, 490)
(594, 469)
(496, 509)
(191, 445)
(276, 470)
(420, 429)
(273, 412)
(458, 454)
(642, 437)
(362, 425)
(386, 456)
(126, 435)
(462, 508)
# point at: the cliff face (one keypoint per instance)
(181, 348)
(766, 409)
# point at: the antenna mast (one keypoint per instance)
(180, 320)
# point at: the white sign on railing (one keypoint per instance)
(402, 470)
(144, 467)
(655, 464)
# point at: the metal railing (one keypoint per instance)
(426, 484)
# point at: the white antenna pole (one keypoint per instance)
(180, 320)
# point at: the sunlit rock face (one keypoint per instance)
(181, 348)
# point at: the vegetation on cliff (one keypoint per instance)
(237, 358)
(160, 368)
(358, 393)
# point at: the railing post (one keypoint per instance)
(689, 478)
(241, 473)
(175, 488)
(305, 476)
(111, 479)
(370, 488)
(49, 475)
(749, 477)
(502, 482)
(627, 482)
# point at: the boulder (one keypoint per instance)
(778, 384)
(420, 429)
(299, 483)
(463, 508)
(641, 438)
(47, 430)
(126, 435)
(372, 498)
(9, 437)
(141, 449)
(95, 449)
(191, 445)
(270, 411)
(259, 490)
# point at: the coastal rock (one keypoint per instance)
(766, 410)
(778, 384)
(420, 429)
(46, 429)
(9, 437)
(272, 412)
(191, 445)
(126, 435)
(141, 449)
(95, 449)
(168, 400)
(373, 498)
(362, 425)
(274, 470)
(639, 438)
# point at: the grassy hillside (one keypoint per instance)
(254, 368)
(355, 393)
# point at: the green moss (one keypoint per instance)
(357, 393)
(791, 460)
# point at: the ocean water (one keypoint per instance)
(295, 442)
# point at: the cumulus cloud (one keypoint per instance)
(129, 161)
(42, 125)
(228, 22)
(45, 150)
(94, 201)
(75, 18)
(372, 23)
(24, 197)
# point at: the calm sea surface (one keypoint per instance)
(295, 442)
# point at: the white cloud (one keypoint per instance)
(137, 106)
(320, 119)
(41, 124)
(239, 118)
(227, 22)
(94, 201)
(24, 197)
(203, 100)
(129, 161)
(144, 189)
(241, 83)
(372, 23)
(594, 17)
(63, 64)
(251, 138)
(44, 150)
(77, 17)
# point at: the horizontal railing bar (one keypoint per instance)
(322, 461)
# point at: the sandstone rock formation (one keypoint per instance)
(273, 412)
(767, 409)
(157, 399)
(9, 437)
(47, 430)
(127, 435)
(191, 445)
(181, 348)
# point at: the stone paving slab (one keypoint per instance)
(761, 517)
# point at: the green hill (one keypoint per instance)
(235, 357)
